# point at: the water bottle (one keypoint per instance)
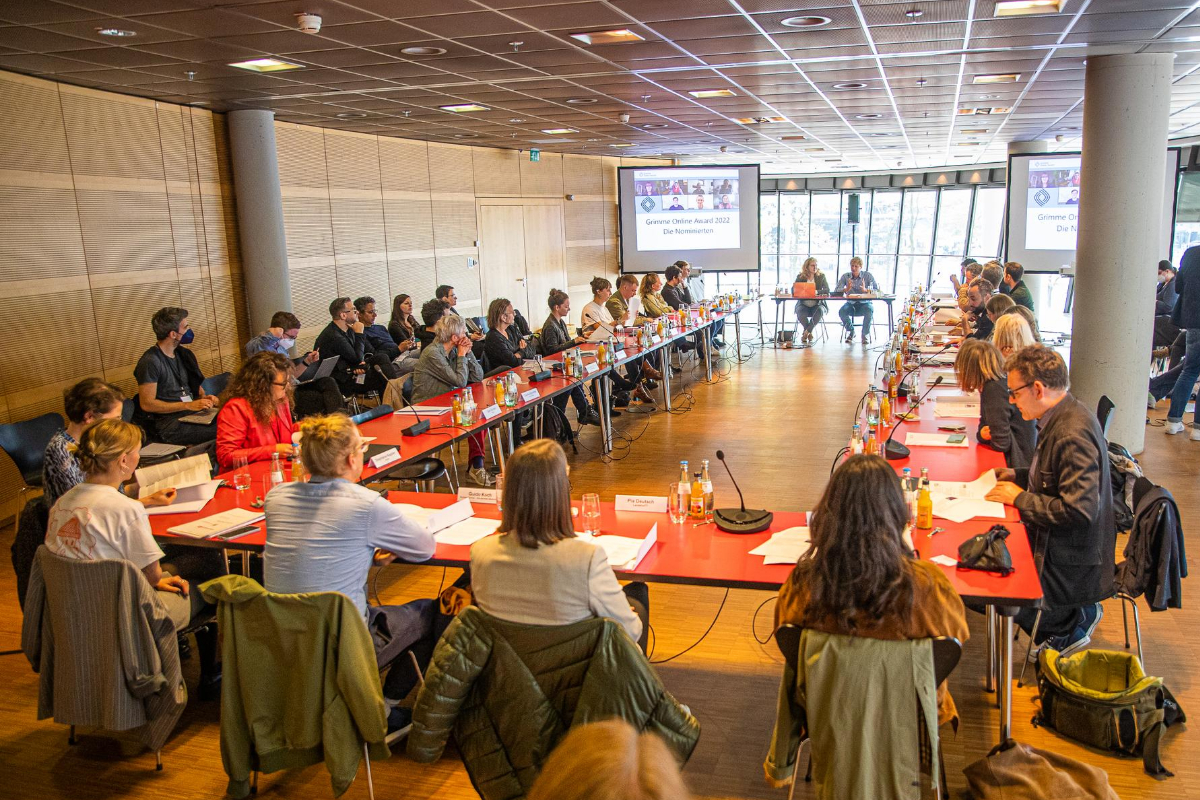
(510, 390)
(856, 440)
(872, 407)
(276, 470)
(910, 493)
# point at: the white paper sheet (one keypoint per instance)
(959, 501)
(947, 375)
(467, 532)
(947, 314)
(218, 523)
(945, 561)
(188, 500)
(784, 547)
(917, 439)
(624, 552)
(173, 475)
(424, 411)
(975, 490)
(435, 520)
(957, 411)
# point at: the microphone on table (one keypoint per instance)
(740, 520)
(900, 390)
(421, 425)
(894, 451)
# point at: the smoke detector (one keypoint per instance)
(308, 23)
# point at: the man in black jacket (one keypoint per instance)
(1186, 315)
(359, 368)
(1065, 500)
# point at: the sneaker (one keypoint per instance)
(1081, 637)
(1195, 434)
(1161, 352)
(612, 412)
(590, 418)
(1174, 427)
(481, 476)
(399, 723)
(850, 336)
(1151, 400)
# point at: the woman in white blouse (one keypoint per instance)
(629, 387)
(536, 571)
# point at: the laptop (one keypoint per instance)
(317, 370)
(804, 290)
(201, 417)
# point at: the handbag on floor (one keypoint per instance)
(1105, 699)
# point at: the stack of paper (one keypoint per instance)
(216, 524)
(947, 375)
(952, 314)
(423, 412)
(191, 478)
(960, 501)
(916, 439)
(456, 524)
(957, 405)
(784, 547)
(624, 552)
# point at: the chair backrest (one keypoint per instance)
(372, 413)
(1104, 411)
(495, 371)
(128, 405)
(215, 384)
(406, 388)
(424, 335)
(25, 443)
(947, 651)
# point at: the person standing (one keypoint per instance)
(856, 282)
(1065, 500)
(1186, 315)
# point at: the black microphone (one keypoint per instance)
(740, 520)
(900, 390)
(894, 451)
(421, 425)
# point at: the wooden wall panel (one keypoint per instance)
(497, 172)
(404, 165)
(408, 220)
(126, 205)
(542, 178)
(455, 228)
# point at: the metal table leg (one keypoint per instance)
(990, 681)
(706, 337)
(737, 332)
(775, 338)
(666, 373)
(246, 563)
(603, 388)
(1006, 633)
(891, 322)
(499, 441)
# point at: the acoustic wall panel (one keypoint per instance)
(497, 172)
(542, 178)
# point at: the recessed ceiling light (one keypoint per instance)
(423, 51)
(814, 149)
(265, 65)
(967, 144)
(914, 13)
(868, 116)
(1006, 78)
(704, 94)
(120, 33)
(965, 111)
(622, 144)
(850, 85)
(983, 111)
(1002, 110)
(831, 160)
(593, 140)
(796, 138)
(461, 108)
(653, 125)
(515, 120)
(582, 101)
(882, 133)
(975, 131)
(1021, 8)
(559, 130)
(616, 36)
(350, 115)
(466, 136)
(812, 21)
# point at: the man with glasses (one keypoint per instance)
(1065, 500)
(359, 368)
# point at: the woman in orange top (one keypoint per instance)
(859, 576)
(255, 420)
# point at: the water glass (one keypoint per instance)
(241, 473)
(500, 492)
(590, 511)
(677, 503)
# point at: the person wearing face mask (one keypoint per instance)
(359, 369)
(169, 378)
(319, 396)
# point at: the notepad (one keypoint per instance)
(959, 501)
(188, 500)
(218, 523)
(173, 475)
(784, 547)
(456, 524)
(917, 439)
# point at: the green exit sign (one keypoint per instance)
(535, 155)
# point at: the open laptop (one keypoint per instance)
(201, 417)
(804, 290)
(317, 370)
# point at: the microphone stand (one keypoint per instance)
(893, 450)
(900, 392)
(421, 425)
(740, 520)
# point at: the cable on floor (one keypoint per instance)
(702, 636)
(754, 621)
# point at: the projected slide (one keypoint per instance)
(1052, 207)
(682, 209)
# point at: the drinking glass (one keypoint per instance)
(677, 504)
(241, 473)
(500, 492)
(590, 510)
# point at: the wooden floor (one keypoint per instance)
(780, 418)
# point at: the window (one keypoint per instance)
(885, 237)
(987, 224)
(916, 240)
(825, 230)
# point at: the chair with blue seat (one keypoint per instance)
(25, 443)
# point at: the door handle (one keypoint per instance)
(521, 281)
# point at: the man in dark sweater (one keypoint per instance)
(1015, 287)
(359, 368)
(979, 291)
(1065, 501)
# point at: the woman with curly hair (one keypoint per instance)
(255, 420)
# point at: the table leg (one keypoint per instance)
(246, 563)
(666, 373)
(762, 336)
(990, 681)
(775, 337)
(705, 337)
(511, 433)
(737, 332)
(891, 322)
(1005, 693)
(499, 440)
(603, 387)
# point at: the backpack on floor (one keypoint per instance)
(556, 426)
(1105, 699)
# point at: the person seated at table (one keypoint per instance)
(610, 760)
(324, 535)
(997, 304)
(860, 575)
(320, 396)
(979, 367)
(403, 330)
(504, 344)
(971, 269)
(962, 271)
(1066, 503)
(1011, 334)
(555, 338)
(1014, 285)
(448, 365)
(597, 313)
(377, 335)
(856, 282)
(693, 292)
(624, 304)
(255, 421)
(1030, 320)
(169, 381)
(809, 313)
(653, 304)
(977, 324)
(86, 403)
(95, 521)
(677, 296)
(359, 368)
(536, 571)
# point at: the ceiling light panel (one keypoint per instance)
(616, 36)
(266, 65)
(1006, 78)
(1024, 8)
(462, 108)
(557, 131)
(705, 94)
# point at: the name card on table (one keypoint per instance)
(389, 456)
(491, 412)
(477, 494)
(530, 395)
(591, 368)
(619, 354)
(656, 338)
(641, 502)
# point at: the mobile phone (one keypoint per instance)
(956, 438)
(953, 427)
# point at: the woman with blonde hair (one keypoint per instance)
(1030, 320)
(980, 368)
(809, 313)
(1011, 334)
(95, 521)
(536, 571)
(653, 304)
(255, 421)
(610, 760)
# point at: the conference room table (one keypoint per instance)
(780, 300)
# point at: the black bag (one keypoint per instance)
(986, 552)
(556, 426)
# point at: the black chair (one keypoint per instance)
(128, 405)
(25, 443)
(424, 336)
(947, 652)
(422, 472)
(372, 413)
(1104, 411)
(213, 385)
(490, 373)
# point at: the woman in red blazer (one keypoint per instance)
(255, 420)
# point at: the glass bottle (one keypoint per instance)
(297, 464)
(871, 448)
(707, 486)
(872, 407)
(856, 440)
(276, 470)
(456, 408)
(696, 505)
(924, 502)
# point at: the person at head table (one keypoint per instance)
(809, 313)
(856, 282)
(255, 421)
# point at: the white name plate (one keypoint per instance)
(618, 354)
(491, 412)
(530, 396)
(591, 368)
(478, 494)
(656, 338)
(641, 502)
(389, 456)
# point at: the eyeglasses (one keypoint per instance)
(279, 383)
(1013, 392)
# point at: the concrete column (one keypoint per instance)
(1125, 112)
(259, 215)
